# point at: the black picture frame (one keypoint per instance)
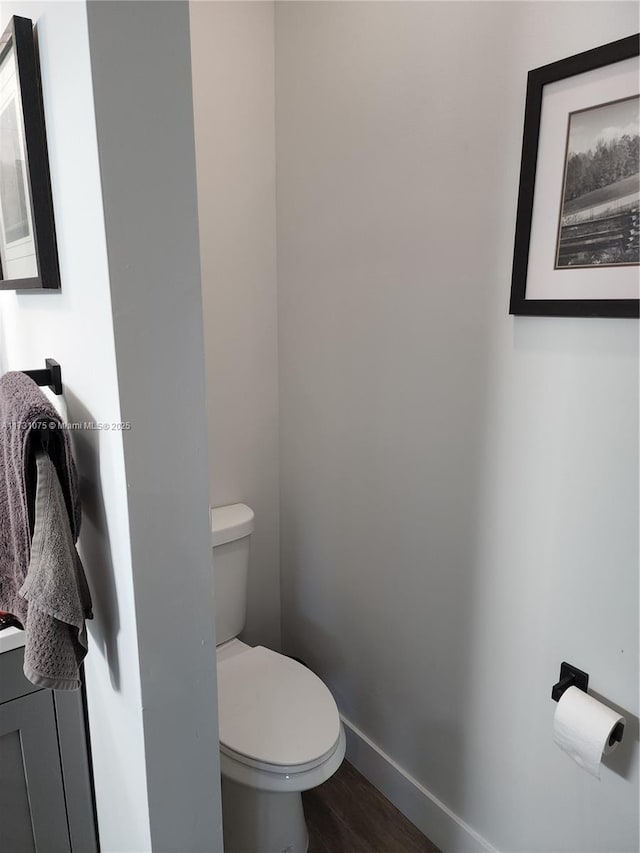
(538, 78)
(17, 46)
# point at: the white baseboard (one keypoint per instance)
(435, 820)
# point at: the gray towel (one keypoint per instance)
(22, 405)
(56, 589)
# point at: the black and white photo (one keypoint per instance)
(13, 200)
(576, 250)
(28, 254)
(17, 247)
(598, 223)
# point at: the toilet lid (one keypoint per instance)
(274, 710)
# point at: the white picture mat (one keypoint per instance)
(19, 256)
(599, 86)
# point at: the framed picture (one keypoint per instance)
(577, 248)
(28, 254)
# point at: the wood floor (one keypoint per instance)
(348, 815)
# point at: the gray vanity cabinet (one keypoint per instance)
(32, 795)
(45, 793)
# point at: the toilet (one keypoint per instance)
(280, 731)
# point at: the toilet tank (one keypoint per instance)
(231, 528)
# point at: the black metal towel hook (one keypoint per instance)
(51, 376)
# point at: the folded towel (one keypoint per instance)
(56, 589)
(23, 407)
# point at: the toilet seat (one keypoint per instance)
(268, 767)
(278, 779)
(274, 713)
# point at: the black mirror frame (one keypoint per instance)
(18, 38)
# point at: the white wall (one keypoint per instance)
(459, 487)
(141, 66)
(75, 327)
(128, 245)
(233, 92)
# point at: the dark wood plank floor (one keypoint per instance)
(348, 815)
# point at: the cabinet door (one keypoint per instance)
(32, 807)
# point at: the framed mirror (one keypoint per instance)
(28, 253)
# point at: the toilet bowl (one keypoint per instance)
(280, 730)
(280, 734)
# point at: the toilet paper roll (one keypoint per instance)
(582, 727)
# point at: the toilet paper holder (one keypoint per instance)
(571, 676)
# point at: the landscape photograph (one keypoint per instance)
(599, 214)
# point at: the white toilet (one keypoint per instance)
(280, 732)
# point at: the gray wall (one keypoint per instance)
(459, 488)
(75, 326)
(232, 48)
(127, 330)
(140, 58)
